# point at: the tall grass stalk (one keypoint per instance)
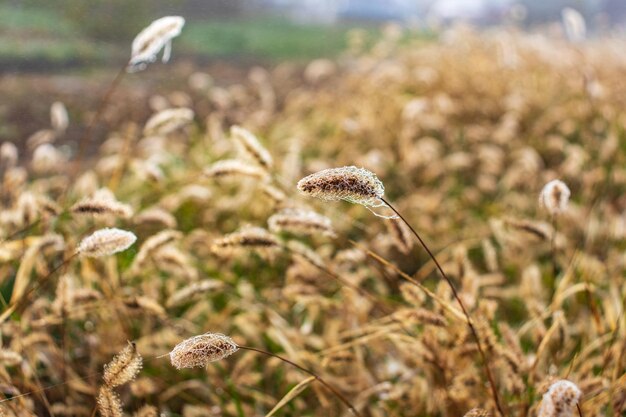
(492, 383)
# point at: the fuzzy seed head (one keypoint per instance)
(300, 221)
(149, 42)
(156, 215)
(10, 357)
(201, 350)
(106, 242)
(575, 26)
(555, 196)
(151, 245)
(400, 235)
(58, 117)
(250, 147)
(47, 158)
(8, 155)
(477, 412)
(100, 207)
(233, 168)
(248, 237)
(560, 399)
(356, 185)
(147, 411)
(109, 404)
(168, 121)
(124, 367)
(187, 293)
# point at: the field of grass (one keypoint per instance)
(447, 276)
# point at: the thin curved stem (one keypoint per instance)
(492, 383)
(24, 229)
(332, 389)
(377, 302)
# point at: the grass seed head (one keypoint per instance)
(248, 237)
(105, 242)
(250, 147)
(574, 24)
(300, 221)
(109, 404)
(147, 411)
(477, 412)
(97, 207)
(201, 350)
(555, 196)
(151, 245)
(560, 399)
(8, 155)
(58, 117)
(10, 357)
(124, 367)
(151, 40)
(168, 121)
(356, 185)
(233, 168)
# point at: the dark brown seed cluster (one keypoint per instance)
(356, 185)
(248, 237)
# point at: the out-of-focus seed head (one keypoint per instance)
(248, 237)
(8, 155)
(575, 26)
(250, 147)
(156, 215)
(105, 242)
(98, 207)
(477, 412)
(560, 399)
(109, 404)
(147, 411)
(201, 350)
(300, 221)
(168, 121)
(58, 117)
(10, 358)
(555, 196)
(356, 185)
(401, 236)
(151, 245)
(234, 168)
(187, 293)
(149, 42)
(46, 158)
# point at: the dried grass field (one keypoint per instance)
(188, 265)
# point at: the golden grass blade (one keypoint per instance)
(293, 393)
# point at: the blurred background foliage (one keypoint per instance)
(38, 35)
